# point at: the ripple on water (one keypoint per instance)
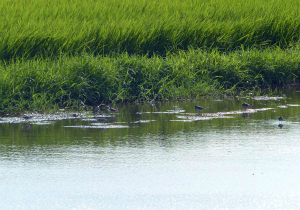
(144, 121)
(193, 118)
(166, 112)
(264, 98)
(42, 123)
(187, 120)
(293, 104)
(97, 126)
(283, 106)
(222, 114)
(199, 118)
(38, 118)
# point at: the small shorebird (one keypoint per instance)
(26, 127)
(280, 118)
(75, 115)
(246, 106)
(199, 108)
(27, 117)
(96, 110)
(80, 103)
(112, 110)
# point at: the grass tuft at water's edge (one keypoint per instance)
(63, 81)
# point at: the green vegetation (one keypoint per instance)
(55, 53)
(47, 83)
(47, 28)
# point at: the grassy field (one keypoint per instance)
(55, 53)
(48, 28)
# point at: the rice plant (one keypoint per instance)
(49, 28)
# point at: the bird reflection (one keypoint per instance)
(26, 127)
(246, 115)
(112, 120)
(76, 124)
(102, 120)
(280, 126)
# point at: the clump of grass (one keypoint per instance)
(42, 84)
(43, 28)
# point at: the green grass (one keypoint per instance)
(43, 84)
(55, 53)
(48, 28)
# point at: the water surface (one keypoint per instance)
(156, 156)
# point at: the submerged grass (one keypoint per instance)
(43, 84)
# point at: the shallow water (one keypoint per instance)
(156, 156)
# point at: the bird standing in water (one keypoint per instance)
(199, 108)
(280, 118)
(27, 117)
(112, 110)
(96, 110)
(246, 106)
(75, 115)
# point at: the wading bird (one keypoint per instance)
(82, 105)
(112, 110)
(280, 118)
(75, 115)
(199, 108)
(27, 117)
(246, 106)
(96, 110)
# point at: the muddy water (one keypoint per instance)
(156, 156)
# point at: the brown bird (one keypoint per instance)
(246, 106)
(112, 110)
